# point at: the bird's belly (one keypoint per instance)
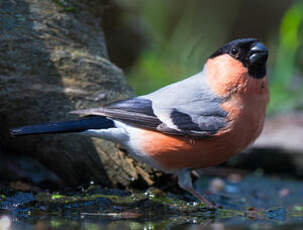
(173, 153)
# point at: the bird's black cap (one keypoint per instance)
(250, 52)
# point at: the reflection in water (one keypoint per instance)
(112, 224)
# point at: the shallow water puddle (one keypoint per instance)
(253, 202)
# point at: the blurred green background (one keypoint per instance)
(171, 40)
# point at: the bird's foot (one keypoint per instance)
(202, 198)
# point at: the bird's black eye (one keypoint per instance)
(234, 51)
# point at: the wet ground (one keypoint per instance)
(253, 202)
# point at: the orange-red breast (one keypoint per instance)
(198, 122)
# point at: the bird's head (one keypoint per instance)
(237, 65)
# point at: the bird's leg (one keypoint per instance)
(195, 174)
(184, 181)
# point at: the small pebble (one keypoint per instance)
(217, 226)
(234, 178)
(217, 185)
(5, 222)
(284, 192)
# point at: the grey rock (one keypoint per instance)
(53, 59)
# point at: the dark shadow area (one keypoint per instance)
(270, 160)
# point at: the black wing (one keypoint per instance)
(135, 111)
(139, 112)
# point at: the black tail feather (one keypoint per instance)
(64, 126)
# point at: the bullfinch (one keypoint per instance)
(198, 122)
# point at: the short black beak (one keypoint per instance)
(258, 54)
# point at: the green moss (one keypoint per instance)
(69, 9)
(2, 197)
(64, 6)
(56, 196)
(298, 208)
(55, 224)
(227, 213)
